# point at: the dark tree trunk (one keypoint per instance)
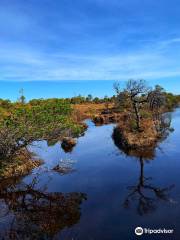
(137, 115)
(141, 178)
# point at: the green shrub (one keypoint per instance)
(42, 119)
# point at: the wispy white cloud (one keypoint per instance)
(91, 40)
(26, 64)
(166, 43)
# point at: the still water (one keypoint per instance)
(105, 194)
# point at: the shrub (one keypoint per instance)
(26, 123)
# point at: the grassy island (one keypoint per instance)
(145, 119)
(138, 111)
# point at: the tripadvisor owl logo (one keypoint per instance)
(139, 231)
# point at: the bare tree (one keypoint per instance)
(117, 88)
(136, 91)
(22, 98)
(156, 99)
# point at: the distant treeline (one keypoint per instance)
(172, 100)
(80, 99)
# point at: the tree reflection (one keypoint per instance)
(144, 195)
(38, 214)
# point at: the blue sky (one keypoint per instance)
(61, 89)
(90, 40)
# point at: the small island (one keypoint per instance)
(145, 119)
(139, 112)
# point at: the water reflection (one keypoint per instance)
(67, 146)
(37, 213)
(144, 195)
(105, 177)
(65, 167)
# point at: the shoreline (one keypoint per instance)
(20, 165)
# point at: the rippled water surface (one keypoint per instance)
(104, 194)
